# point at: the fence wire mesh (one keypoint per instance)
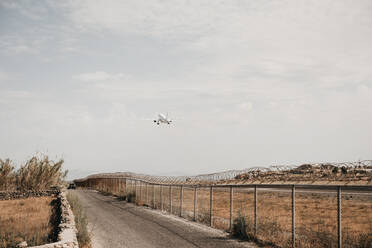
(220, 177)
(285, 215)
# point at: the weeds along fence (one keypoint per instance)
(280, 215)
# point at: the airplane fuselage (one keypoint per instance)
(162, 119)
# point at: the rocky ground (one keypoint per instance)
(320, 173)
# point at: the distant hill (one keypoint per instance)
(351, 173)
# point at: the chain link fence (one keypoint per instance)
(285, 215)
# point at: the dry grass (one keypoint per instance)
(81, 221)
(30, 220)
(316, 216)
(316, 213)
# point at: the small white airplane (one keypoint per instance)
(163, 119)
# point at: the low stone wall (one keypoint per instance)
(67, 235)
(10, 195)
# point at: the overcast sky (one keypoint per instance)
(248, 83)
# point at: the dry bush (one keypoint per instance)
(315, 238)
(203, 216)
(362, 240)
(243, 228)
(37, 230)
(7, 175)
(38, 173)
(131, 197)
(122, 196)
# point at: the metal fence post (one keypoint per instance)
(126, 187)
(134, 186)
(181, 200)
(211, 206)
(255, 210)
(129, 186)
(293, 217)
(231, 207)
(147, 193)
(161, 197)
(140, 191)
(339, 232)
(118, 185)
(195, 199)
(113, 186)
(170, 198)
(135, 191)
(109, 185)
(153, 195)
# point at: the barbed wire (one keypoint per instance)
(226, 175)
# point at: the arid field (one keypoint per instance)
(29, 220)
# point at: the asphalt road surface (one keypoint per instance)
(120, 224)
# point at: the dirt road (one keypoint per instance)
(119, 224)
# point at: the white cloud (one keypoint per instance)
(30, 9)
(157, 18)
(322, 43)
(26, 43)
(99, 76)
(4, 76)
(258, 76)
(17, 45)
(246, 106)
